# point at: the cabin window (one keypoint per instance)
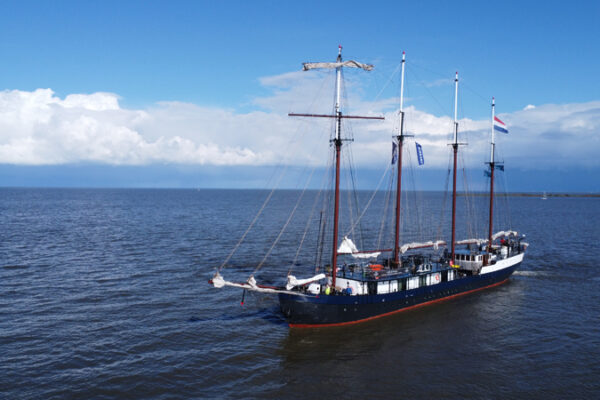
(444, 276)
(372, 287)
(413, 283)
(402, 284)
(422, 280)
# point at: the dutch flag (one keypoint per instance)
(499, 125)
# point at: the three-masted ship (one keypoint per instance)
(377, 285)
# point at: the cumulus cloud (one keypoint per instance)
(555, 135)
(40, 128)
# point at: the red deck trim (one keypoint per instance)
(395, 311)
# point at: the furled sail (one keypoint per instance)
(218, 282)
(503, 233)
(348, 247)
(349, 63)
(405, 247)
(472, 241)
(292, 281)
(494, 237)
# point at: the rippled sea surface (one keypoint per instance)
(104, 294)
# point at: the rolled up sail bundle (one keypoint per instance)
(478, 242)
(348, 247)
(503, 233)
(333, 65)
(218, 281)
(292, 281)
(415, 245)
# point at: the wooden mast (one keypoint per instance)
(400, 139)
(338, 145)
(337, 140)
(492, 168)
(455, 150)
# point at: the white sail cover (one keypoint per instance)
(293, 281)
(494, 237)
(219, 282)
(503, 233)
(471, 241)
(349, 63)
(415, 245)
(348, 247)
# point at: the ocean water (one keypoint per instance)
(104, 294)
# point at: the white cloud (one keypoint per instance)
(38, 128)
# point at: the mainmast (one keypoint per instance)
(455, 150)
(492, 168)
(337, 140)
(400, 139)
(338, 146)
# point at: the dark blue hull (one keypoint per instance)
(323, 310)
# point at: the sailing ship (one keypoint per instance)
(378, 283)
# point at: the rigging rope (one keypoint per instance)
(385, 173)
(445, 202)
(291, 150)
(308, 223)
(385, 209)
(285, 225)
(248, 229)
(326, 206)
(356, 202)
(388, 81)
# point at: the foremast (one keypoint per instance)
(338, 146)
(337, 140)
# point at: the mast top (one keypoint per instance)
(455, 142)
(334, 65)
(456, 108)
(338, 66)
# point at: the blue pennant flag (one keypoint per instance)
(487, 173)
(394, 153)
(420, 154)
(500, 167)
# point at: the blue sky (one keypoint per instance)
(153, 83)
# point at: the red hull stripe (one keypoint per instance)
(396, 311)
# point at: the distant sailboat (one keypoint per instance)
(544, 196)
